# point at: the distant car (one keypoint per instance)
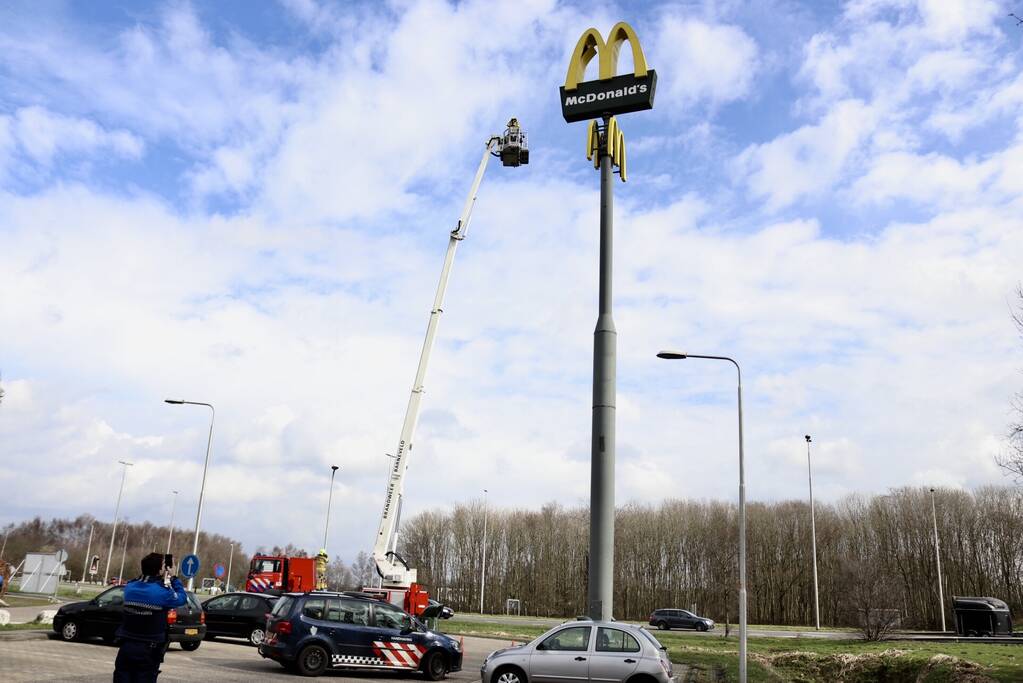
(101, 616)
(309, 633)
(581, 651)
(116, 581)
(665, 619)
(238, 615)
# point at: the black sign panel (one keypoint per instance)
(618, 95)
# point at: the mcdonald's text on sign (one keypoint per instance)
(611, 94)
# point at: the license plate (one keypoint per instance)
(191, 631)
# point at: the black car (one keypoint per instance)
(311, 632)
(679, 618)
(101, 616)
(238, 615)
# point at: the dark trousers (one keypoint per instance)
(138, 661)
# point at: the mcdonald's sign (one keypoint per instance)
(611, 94)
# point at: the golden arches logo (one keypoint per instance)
(615, 141)
(591, 43)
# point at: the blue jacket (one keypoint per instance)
(146, 602)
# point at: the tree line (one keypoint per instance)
(874, 554)
(134, 541)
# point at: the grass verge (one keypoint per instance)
(804, 660)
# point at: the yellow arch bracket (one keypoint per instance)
(615, 145)
(591, 43)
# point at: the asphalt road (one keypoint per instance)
(219, 660)
(545, 622)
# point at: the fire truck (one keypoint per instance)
(397, 580)
(278, 574)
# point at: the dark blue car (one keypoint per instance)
(310, 632)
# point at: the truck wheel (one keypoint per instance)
(435, 667)
(70, 631)
(312, 660)
(190, 645)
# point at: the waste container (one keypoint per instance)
(982, 617)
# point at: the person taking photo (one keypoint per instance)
(142, 636)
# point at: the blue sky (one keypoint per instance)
(248, 204)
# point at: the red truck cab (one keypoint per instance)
(277, 574)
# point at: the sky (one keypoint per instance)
(248, 204)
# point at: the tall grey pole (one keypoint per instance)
(330, 499)
(124, 551)
(602, 437)
(672, 355)
(88, 552)
(117, 511)
(230, 559)
(205, 467)
(4, 546)
(170, 534)
(483, 565)
(937, 558)
(813, 541)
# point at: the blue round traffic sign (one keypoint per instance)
(189, 566)
(219, 570)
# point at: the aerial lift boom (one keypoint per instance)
(394, 571)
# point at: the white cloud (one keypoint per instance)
(43, 135)
(698, 61)
(809, 160)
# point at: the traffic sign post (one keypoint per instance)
(190, 566)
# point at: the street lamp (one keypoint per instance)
(483, 565)
(330, 498)
(813, 540)
(124, 551)
(88, 552)
(117, 510)
(170, 534)
(674, 355)
(937, 558)
(202, 487)
(230, 559)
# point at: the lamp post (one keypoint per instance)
(88, 552)
(124, 551)
(170, 534)
(230, 559)
(813, 540)
(674, 355)
(330, 498)
(937, 559)
(202, 487)
(483, 565)
(117, 511)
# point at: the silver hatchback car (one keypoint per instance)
(582, 652)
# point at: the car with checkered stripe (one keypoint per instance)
(308, 633)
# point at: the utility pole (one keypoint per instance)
(88, 552)
(483, 565)
(330, 499)
(124, 551)
(937, 559)
(230, 559)
(813, 537)
(170, 534)
(117, 511)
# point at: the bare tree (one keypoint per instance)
(1012, 460)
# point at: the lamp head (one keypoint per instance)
(334, 468)
(173, 401)
(671, 355)
(807, 437)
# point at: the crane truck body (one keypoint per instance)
(398, 583)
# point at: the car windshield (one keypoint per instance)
(283, 606)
